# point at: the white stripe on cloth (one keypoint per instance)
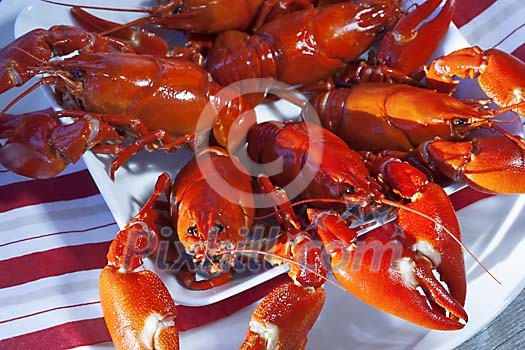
(49, 302)
(66, 239)
(47, 218)
(507, 15)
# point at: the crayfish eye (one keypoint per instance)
(218, 228)
(350, 189)
(77, 73)
(178, 10)
(192, 230)
(460, 121)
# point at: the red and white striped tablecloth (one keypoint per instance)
(54, 233)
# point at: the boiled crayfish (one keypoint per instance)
(166, 96)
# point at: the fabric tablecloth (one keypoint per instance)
(54, 233)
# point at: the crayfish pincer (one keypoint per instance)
(21, 58)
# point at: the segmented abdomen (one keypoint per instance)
(237, 56)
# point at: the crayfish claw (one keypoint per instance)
(284, 317)
(382, 272)
(151, 322)
(435, 290)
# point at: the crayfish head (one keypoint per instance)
(458, 117)
(68, 83)
(209, 235)
(460, 126)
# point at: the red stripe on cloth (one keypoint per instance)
(64, 336)
(520, 52)
(53, 262)
(65, 187)
(59, 233)
(466, 10)
(466, 197)
(48, 310)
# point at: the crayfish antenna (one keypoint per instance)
(32, 87)
(21, 96)
(273, 257)
(91, 7)
(509, 108)
(517, 139)
(30, 55)
(437, 223)
(137, 22)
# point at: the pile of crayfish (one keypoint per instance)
(389, 134)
